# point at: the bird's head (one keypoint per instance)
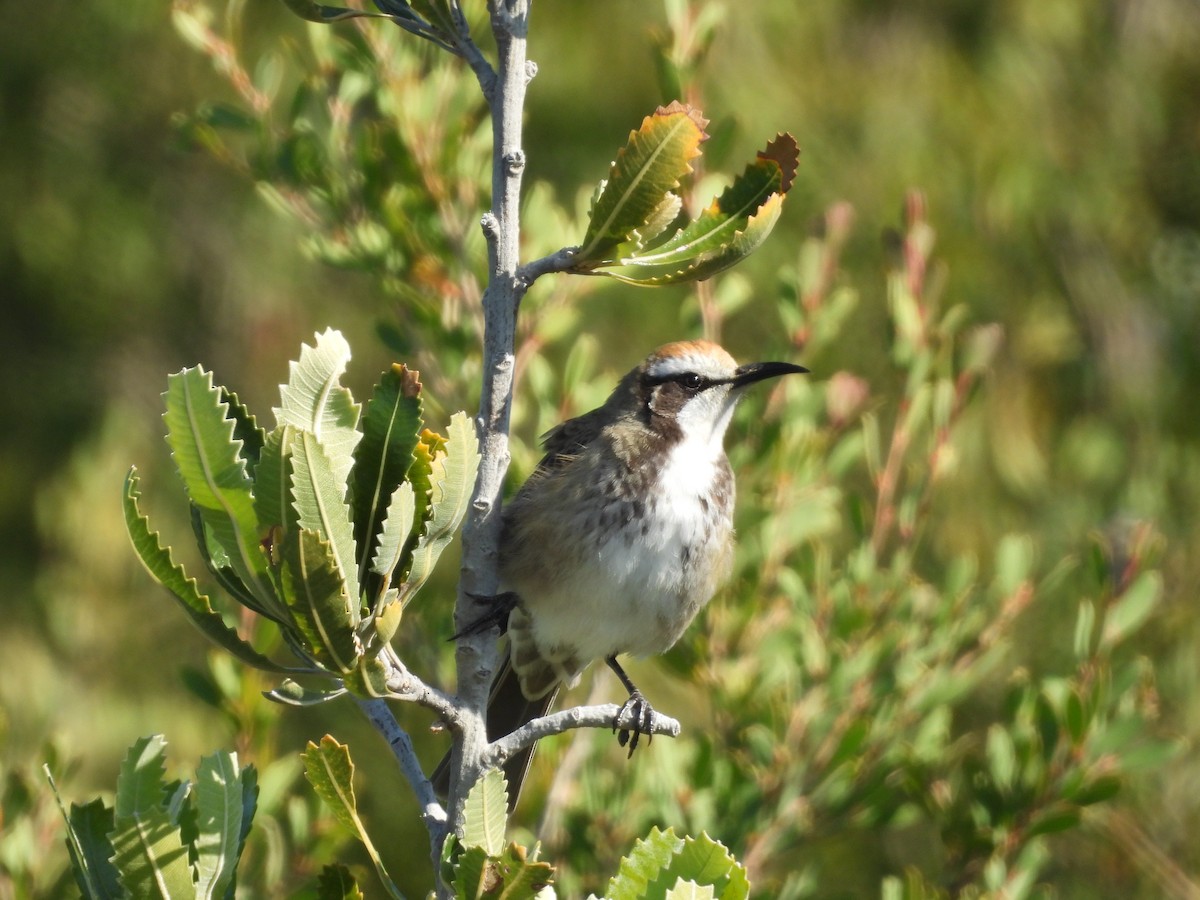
(689, 388)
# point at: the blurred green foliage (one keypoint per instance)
(1056, 144)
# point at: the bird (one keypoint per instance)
(621, 535)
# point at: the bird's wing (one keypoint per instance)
(566, 441)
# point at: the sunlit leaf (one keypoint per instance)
(208, 458)
(646, 169)
(331, 773)
(218, 793)
(485, 813)
(453, 480)
(148, 849)
(314, 400)
(318, 494)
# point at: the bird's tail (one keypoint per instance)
(508, 709)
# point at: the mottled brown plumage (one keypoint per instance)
(623, 533)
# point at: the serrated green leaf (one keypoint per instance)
(506, 875)
(764, 181)
(218, 793)
(420, 477)
(331, 773)
(217, 561)
(318, 496)
(472, 874)
(650, 857)
(149, 852)
(88, 827)
(485, 813)
(336, 883)
(313, 400)
(162, 566)
(659, 861)
(291, 693)
(732, 227)
(646, 169)
(689, 890)
(325, 613)
(245, 428)
(209, 462)
(273, 483)
(647, 272)
(453, 480)
(391, 429)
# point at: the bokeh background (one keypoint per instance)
(1057, 143)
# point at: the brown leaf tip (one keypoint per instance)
(785, 152)
(675, 107)
(410, 380)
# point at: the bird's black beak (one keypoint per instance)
(752, 372)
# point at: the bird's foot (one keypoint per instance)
(495, 616)
(638, 708)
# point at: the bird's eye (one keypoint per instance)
(691, 382)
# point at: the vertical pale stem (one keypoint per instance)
(477, 655)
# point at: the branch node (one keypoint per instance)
(514, 163)
(531, 70)
(490, 225)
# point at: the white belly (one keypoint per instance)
(637, 587)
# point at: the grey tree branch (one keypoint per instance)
(432, 812)
(477, 655)
(600, 716)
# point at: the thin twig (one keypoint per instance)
(602, 716)
(433, 814)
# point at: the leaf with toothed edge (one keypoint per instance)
(323, 610)
(314, 400)
(648, 168)
(317, 493)
(391, 429)
(159, 562)
(732, 227)
(453, 479)
(208, 459)
(331, 773)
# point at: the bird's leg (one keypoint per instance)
(637, 705)
(500, 605)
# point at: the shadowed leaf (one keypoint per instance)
(159, 563)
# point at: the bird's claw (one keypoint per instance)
(642, 714)
(496, 616)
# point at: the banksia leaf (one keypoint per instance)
(324, 612)
(148, 848)
(208, 458)
(485, 813)
(331, 773)
(661, 862)
(646, 170)
(314, 400)
(397, 527)
(159, 563)
(220, 809)
(391, 428)
(318, 491)
(452, 481)
(732, 227)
